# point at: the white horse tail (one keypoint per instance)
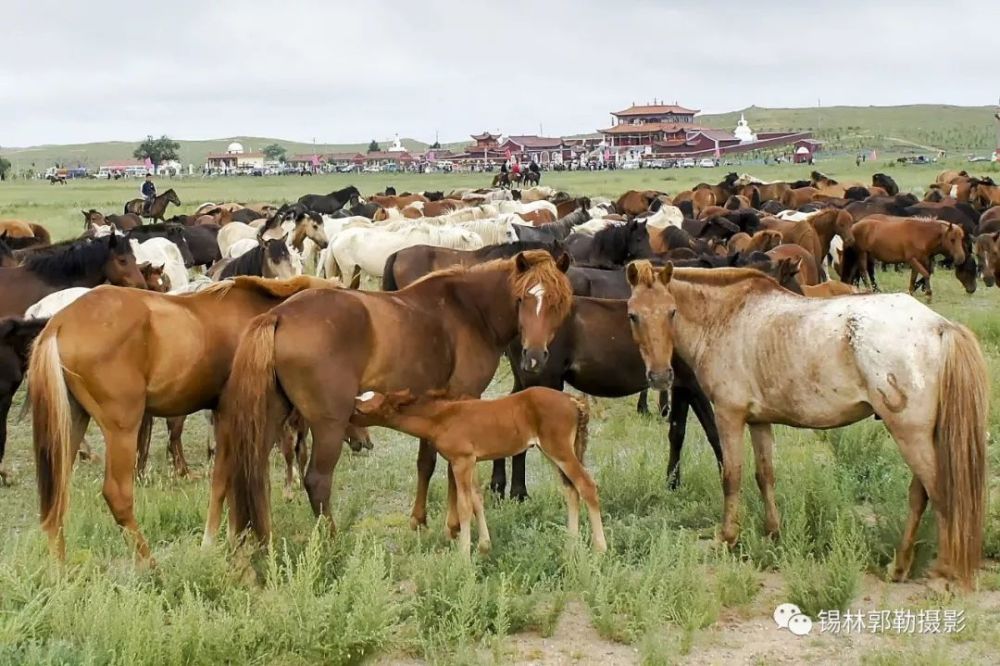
(960, 450)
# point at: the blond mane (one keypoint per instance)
(723, 277)
(270, 287)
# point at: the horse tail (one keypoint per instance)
(582, 423)
(244, 429)
(960, 450)
(52, 419)
(388, 278)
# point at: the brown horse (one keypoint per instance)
(985, 195)
(907, 240)
(122, 356)
(537, 218)
(989, 221)
(156, 209)
(764, 192)
(466, 431)
(636, 202)
(987, 249)
(799, 233)
(802, 258)
(318, 351)
(80, 263)
(19, 234)
(829, 223)
(829, 289)
(829, 362)
(795, 199)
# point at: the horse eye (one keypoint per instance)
(673, 312)
(633, 317)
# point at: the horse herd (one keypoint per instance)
(719, 297)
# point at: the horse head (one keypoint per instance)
(120, 268)
(651, 312)
(544, 299)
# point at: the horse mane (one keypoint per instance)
(248, 263)
(271, 287)
(612, 241)
(543, 271)
(74, 260)
(723, 277)
(508, 250)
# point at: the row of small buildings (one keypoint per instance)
(640, 132)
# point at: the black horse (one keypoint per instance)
(329, 203)
(16, 336)
(611, 247)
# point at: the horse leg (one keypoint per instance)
(675, 435)
(867, 278)
(573, 472)
(217, 495)
(731, 426)
(477, 506)
(121, 433)
(175, 427)
(465, 470)
(904, 556)
(328, 442)
(762, 438)
(5, 402)
(518, 485)
(702, 407)
(918, 268)
(451, 525)
(426, 461)
(498, 479)
(642, 407)
(288, 452)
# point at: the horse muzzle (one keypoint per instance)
(661, 380)
(534, 361)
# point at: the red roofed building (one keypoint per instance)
(670, 130)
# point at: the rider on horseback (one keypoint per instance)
(148, 191)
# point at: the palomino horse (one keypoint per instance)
(121, 356)
(156, 209)
(81, 263)
(766, 356)
(318, 351)
(913, 241)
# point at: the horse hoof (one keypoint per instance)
(485, 547)
(519, 494)
(417, 523)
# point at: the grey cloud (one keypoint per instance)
(341, 71)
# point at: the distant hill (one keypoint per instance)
(191, 152)
(917, 126)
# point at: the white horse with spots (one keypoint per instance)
(764, 355)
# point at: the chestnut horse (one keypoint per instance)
(466, 431)
(766, 356)
(121, 356)
(316, 352)
(81, 263)
(907, 240)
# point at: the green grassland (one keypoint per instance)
(666, 592)
(913, 128)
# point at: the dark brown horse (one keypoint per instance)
(318, 351)
(156, 209)
(16, 336)
(81, 263)
(122, 356)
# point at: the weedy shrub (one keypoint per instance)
(830, 580)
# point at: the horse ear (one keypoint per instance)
(562, 263)
(112, 240)
(145, 268)
(368, 402)
(632, 273)
(996, 237)
(521, 263)
(666, 273)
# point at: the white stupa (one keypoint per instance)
(743, 131)
(397, 146)
(235, 148)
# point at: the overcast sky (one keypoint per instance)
(349, 71)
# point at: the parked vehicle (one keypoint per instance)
(373, 168)
(707, 162)
(686, 163)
